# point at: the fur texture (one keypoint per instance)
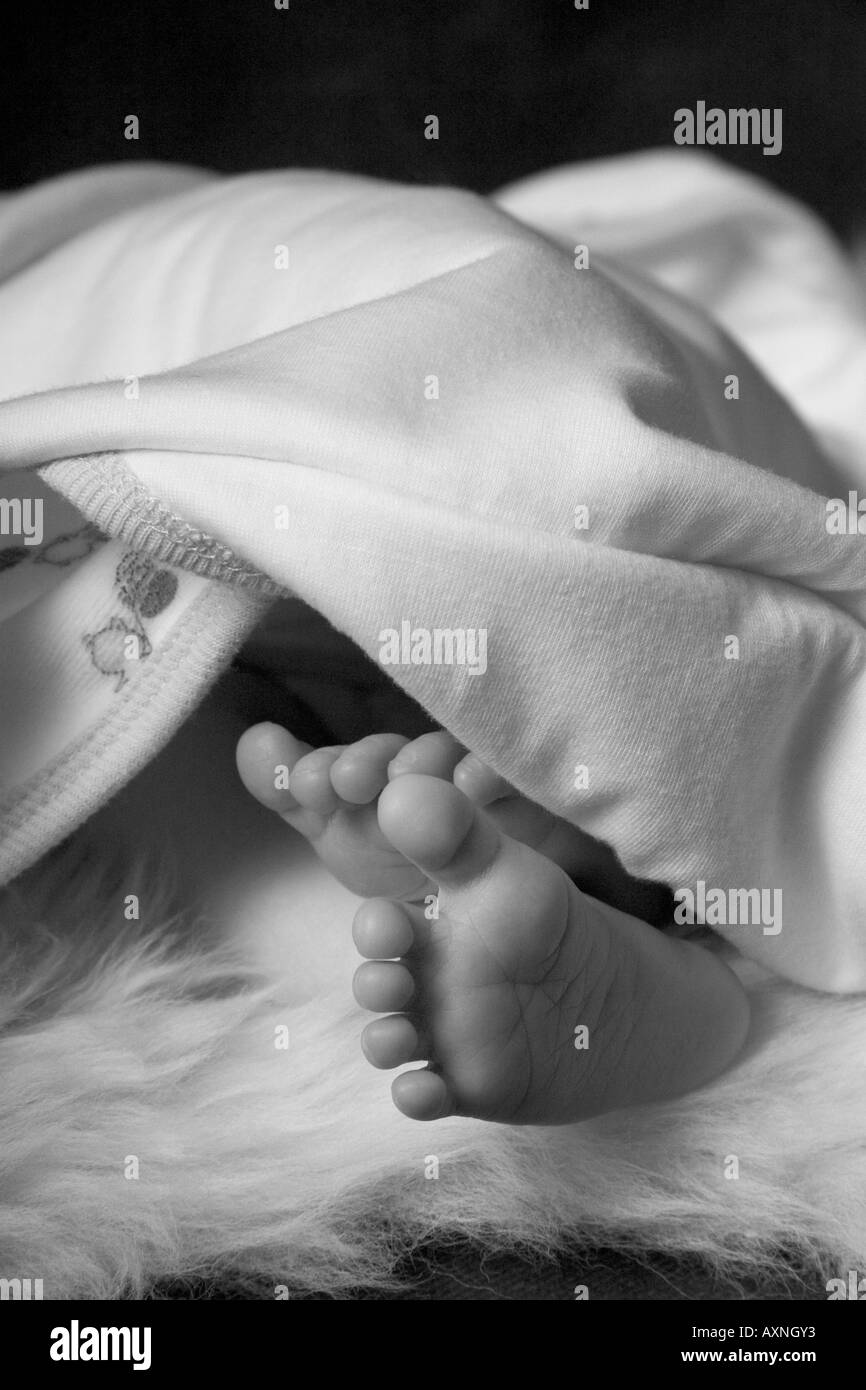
(293, 1165)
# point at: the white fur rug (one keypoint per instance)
(293, 1165)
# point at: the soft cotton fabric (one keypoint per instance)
(391, 401)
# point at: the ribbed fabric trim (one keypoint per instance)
(109, 494)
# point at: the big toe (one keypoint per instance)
(434, 825)
(265, 755)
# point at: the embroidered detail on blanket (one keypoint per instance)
(145, 590)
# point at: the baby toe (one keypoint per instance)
(435, 755)
(432, 823)
(382, 930)
(265, 757)
(422, 1095)
(391, 1042)
(479, 782)
(361, 771)
(383, 986)
(310, 782)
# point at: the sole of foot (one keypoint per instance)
(530, 1002)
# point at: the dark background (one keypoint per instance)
(517, 85)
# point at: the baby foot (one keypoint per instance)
(530, 1002)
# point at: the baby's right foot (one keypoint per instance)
(518, 958)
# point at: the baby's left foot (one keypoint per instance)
(531, 1002)
(329, 795)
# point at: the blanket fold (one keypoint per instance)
(561, 506)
